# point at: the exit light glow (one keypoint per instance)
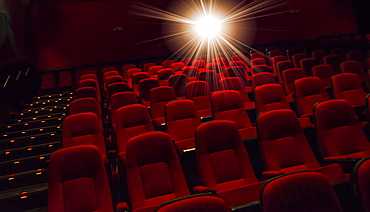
(208, 27)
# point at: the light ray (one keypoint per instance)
(197, 45)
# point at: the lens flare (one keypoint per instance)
(208, 27)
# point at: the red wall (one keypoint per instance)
(81, 33)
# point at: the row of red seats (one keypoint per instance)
(154, 174)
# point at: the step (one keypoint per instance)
(23, 119)
(40, 102)
(31, 124)
(28, 151)
(24, 164)
(29, 132)
(22, 179)
(31, 198)
(48, 96)
(28, 140)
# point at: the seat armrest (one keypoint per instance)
(347, 164)
(203, 189)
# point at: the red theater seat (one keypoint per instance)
(284, 148)
(324, 72)
(348, 86)
(200, 93)
(154, 173)
(84, 128)
(339, 132)
(228, 105)
(178, 83)
(361, 178)
(77, 180)
(181, 121)
(308, 91)
(159, 96)
(223, 163)
(301, 191)
(130, 121)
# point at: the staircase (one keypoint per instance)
(26, 143)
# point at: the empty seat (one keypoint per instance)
(153, 71)
(289, 76)
(307, 64)
(353, 66)
(77, 180)
(361, 176)
(260, 69)
(83, 128)
(339, 132)
(154, 173)
(308, 91)
(163, 75)
(257, 55)
(145, 85)
(136, 78)
(275, 60)
(262, 78)
(324, 72)
(319, 54)
(223, 163)
(199, 63)
(228, 105)
(131, 72)
(240, 72)
(116, 88)
(125, 69)
(177, 66)
(357, 56)
(187, 61)
(195, 203)
(200, 93)
(216, 67)
(348, 86)
(65, 80)
(301, 191)
(234, 83)
(220, 60)
(210, 76)
(86, 92)
(48, 83)
(292, 51)
(296, 58)
(282, 66)
(119, 100)
(159, 96)
(284, 148)
(178, 83)
(146, 66)
(271, 96)
(167, 63)
(83, 105)
(130, 120)
(333, 60)
(191, 72)
(258, 61)
(182, 119)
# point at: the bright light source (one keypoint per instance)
(208, 27)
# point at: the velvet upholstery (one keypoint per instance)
(200, 93)
(83, 128)
(284, 148)
(182, 119)
(361, 173)
(154, 173)
(228, 105)
(324, 72)
(302, 191)
(77, 181)
(289, 76)
(223, 163)
(130, 120)
(339, 132)
(178, 82)
(348, 86)
(159, 96)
